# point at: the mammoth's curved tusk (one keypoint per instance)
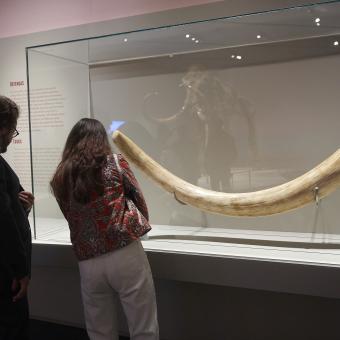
(160, 120)
(284, 197)
(165, 120)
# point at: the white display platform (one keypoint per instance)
(272, 261)
(319, 249)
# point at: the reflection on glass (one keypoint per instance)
(115, 125)
(197, 138)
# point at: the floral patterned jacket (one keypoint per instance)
(112, 220)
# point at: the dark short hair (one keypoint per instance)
(9, 112)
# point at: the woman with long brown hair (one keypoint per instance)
(107, 214)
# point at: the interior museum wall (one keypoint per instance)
(49, 299)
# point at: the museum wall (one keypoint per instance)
(187, 310)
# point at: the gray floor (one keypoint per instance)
(41, 330)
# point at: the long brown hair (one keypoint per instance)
(79, 174)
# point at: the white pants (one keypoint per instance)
(125, 272)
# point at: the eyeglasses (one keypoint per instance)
(15, 133)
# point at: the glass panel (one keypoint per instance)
(276, 26)
(58, 99)
(235, 105)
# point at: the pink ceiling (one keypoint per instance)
(27, 16)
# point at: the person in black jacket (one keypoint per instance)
(15, 236)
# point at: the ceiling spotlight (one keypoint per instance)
(317, 20)
(197, 41)
(187, 36)
(336, 43)
(125, 39)
(232, 56)
(238, 57)
(259, 36)
(317, 24)
(193, 39)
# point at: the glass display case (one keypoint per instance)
(235, 104)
